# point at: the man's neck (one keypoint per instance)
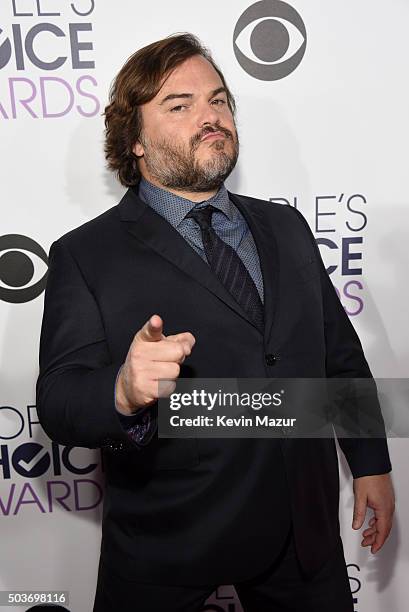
(193, 196)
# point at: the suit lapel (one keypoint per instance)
(154, 231)
(259, 222)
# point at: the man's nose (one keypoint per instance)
(207, 115)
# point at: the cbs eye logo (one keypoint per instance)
(269, 40)
(17, 268)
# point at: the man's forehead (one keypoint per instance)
(195, 73)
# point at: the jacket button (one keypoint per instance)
(271, 359)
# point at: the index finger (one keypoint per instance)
(152, 330)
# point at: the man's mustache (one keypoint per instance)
(195, 140)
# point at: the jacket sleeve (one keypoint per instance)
(345, 358)
(76, 383)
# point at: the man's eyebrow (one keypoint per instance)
(216, 92)
(174, 96)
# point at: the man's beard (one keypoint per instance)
(175, 167)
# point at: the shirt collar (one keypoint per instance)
(174, 208)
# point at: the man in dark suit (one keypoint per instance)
(185, 279)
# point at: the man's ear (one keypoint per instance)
(138, 149)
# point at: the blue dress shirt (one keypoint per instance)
(228, 223)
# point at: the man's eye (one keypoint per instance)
(178, 108)
(219, 101)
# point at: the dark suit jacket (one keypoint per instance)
(198, 511)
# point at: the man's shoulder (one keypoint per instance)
(259, 202)
(92, 232)
(276, 209)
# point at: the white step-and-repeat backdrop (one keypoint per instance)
(323, 97)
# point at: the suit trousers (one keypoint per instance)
(282, 587)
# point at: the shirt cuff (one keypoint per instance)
(137, 425)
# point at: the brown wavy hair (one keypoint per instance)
(138, 82)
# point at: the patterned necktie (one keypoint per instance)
(228, 267)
